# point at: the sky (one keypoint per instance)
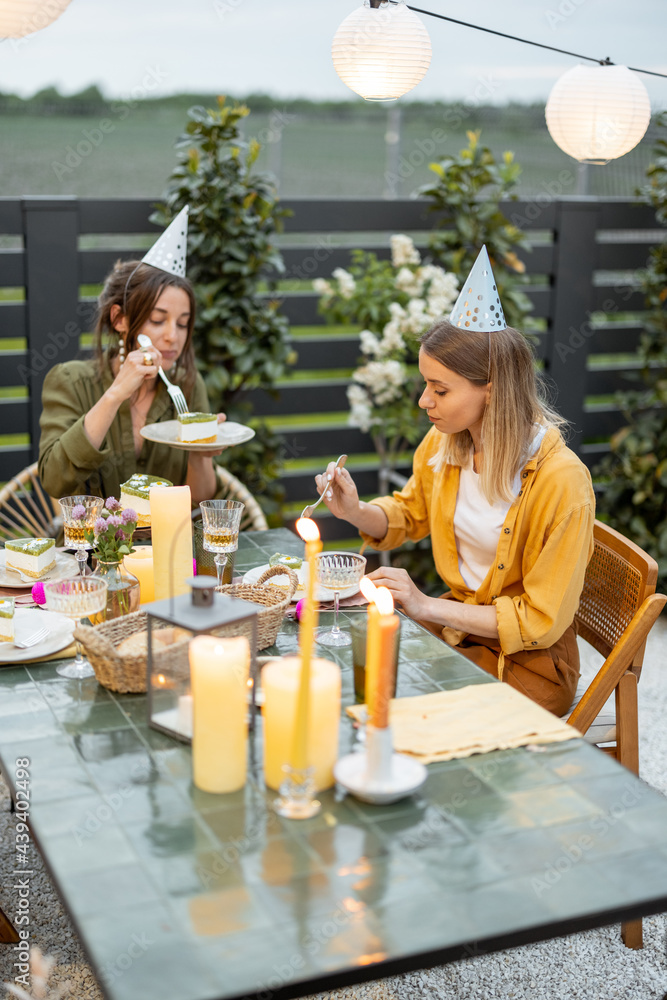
(134, 48)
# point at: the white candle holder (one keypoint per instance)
(297, 794)
(377, 774)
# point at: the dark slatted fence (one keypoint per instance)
(584, 268)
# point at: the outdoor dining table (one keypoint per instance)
(182, 895)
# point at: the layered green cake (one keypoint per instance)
(33, 557)
(197, 428)
(6, 619)
(135, 494)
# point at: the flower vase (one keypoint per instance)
(123, 590)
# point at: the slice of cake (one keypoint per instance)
(33, 557)
(135, 494)
(197, 428)
(6, 619)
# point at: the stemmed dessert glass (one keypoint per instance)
(74, 527)
(222, 521)
(337, 571)
(77, 598)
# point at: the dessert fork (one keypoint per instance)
(307, 511)
(177, 397)
(33, 639)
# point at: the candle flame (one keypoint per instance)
(161, 678)
(384, 601)
(307, 529)
(368, 588)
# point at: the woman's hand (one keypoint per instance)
(341, 496)
(134, 372)
(403, 590)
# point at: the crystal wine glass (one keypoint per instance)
(222, 521)
(74, 527)
(77, 598)
(337, 571)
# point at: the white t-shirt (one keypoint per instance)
(477, 523)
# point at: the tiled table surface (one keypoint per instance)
(181, 895)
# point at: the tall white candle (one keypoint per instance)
(171, 534)
(219, 670)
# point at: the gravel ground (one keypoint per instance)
(594, 965)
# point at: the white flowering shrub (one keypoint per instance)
(394, 302)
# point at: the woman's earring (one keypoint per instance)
(121, 350)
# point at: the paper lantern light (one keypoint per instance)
(598, 113)
(19, 18)
(381, 52)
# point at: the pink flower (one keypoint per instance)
(128, 515)
(113, 521)
(298, 611)
(37, 592)
(100, 525)
(112, 504)
(78, 512)
(120, 535)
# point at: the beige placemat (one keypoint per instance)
(473, 719)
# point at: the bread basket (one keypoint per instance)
(275, 601)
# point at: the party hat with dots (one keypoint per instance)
(478, 306)
(168, 253)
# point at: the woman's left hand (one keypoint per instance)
(402, 590)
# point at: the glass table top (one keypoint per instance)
(180, 894)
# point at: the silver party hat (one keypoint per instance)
(168, 252)
(478, 306)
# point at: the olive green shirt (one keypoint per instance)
(69, 464)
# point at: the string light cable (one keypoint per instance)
(515, 38)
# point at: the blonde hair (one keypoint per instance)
(517, 401)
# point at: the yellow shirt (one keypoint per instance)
(545, 543)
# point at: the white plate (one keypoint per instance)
(229, 434)
(29, 620)
(321, 593)
(66, 565)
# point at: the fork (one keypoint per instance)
(33, 639)
(177, 397)
(307, 511)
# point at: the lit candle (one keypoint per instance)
(171, 532)
(140, 564)
(307, 625)
(219, 670)
(281, 684)
(382, 636)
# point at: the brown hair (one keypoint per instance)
(136, 287)
(517, 400)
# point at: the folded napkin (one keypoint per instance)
(473, 719)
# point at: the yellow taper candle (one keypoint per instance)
(171, 533)
(281, 685)
(219, 670)
(381, 637)
(298, 757)
(140, 564)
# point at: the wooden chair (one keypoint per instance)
(231, 488)
(25, 509)
(617, 610)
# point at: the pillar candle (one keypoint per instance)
(382, 636)
(307, 625)
(171, 533)
(219, 670)
(140, 564)
(281, 685)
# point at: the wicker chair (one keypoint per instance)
(231, 488)
(25, 509)
(617, 610)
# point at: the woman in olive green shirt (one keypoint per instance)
(93, 411)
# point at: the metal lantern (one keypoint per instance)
(172, 623)
(381, 50)
(20, 19)
(598, 113)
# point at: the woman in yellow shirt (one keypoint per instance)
(509, 508)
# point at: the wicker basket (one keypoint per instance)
(127, 674)
(274, 599)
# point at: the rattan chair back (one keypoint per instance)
(26, 510)
(231, 488)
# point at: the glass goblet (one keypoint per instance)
(74, 527)
(337, 571)
(222, 521)
(78, 598)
